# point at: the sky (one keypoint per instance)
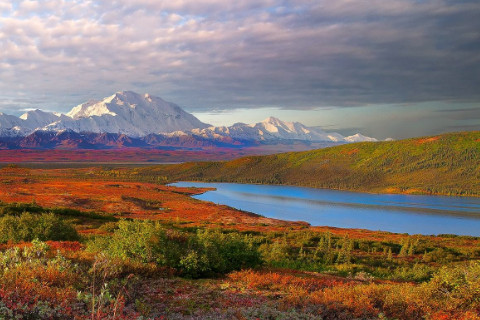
(384, 68)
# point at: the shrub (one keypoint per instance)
(417, 272)
(204, 253)
(16, 209)
(226, 252)
(27, 227)
(441, 255)
(458, 287)
(34, 285)
(137, 240)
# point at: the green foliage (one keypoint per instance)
(201, 254)
(417, 272)
(460, 285)
(410, 258)
(108, 226)
(447, 164)
(228, 251)
(32, 256)
(441, 255)
(136, 240)
(27, 227)
(16, 209)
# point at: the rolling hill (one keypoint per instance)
(447, 164)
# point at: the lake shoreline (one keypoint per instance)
(391, 191)
(396, 213)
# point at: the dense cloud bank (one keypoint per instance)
(211, 54)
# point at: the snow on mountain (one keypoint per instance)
(11, 126)
(274, 129)
(124, 112)
(82, 110)
(27, 122)
(37, 118)
(359, 138)
(134, 115)
(295, 130)
(128, 113)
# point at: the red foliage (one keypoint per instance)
(266, 280)
(65, 245)
(126, 155)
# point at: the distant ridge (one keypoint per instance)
(447, 164)
(270, 129)
(137, 116)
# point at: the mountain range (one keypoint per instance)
(131, 119)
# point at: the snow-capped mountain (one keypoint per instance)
(272, 129)
(133, 115)
(127, 113)
(359, 138)
(37, 118)
(11, 126)
(124, 112)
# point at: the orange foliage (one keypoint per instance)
(350, 152)
(286, 280)
(426, 140)
(138, 200)
(340, 298)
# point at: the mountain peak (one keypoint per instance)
(37, 113)
(26, 114)
(277, 126)
(131, 113)
(272, 120)
(127, 95)
(359, 138)
(35, 119)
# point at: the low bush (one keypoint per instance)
(36, 283)
(28, 227)
(204, 253)
(457, 287)
(17, 209)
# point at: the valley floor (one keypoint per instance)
(86, 244)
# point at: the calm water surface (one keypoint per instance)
(388, 212)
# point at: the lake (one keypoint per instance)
(387, 212)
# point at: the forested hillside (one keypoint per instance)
(447, 164)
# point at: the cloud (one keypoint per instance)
(461, 114)
(290, 54)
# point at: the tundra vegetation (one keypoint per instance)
(447, 164)
(113, 243)
(175, 269)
